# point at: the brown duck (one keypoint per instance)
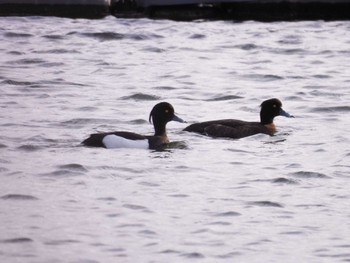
(230, 128)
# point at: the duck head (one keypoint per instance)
(270, 109)
(160, 115)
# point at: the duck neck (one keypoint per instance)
(268, 123)
(159, 129)
(265, 119)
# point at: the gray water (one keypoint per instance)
(259, 199)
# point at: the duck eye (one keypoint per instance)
(166, 111)
(274, 105)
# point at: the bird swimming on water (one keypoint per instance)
(161, 114)
(230, 128)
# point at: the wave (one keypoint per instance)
(141, 97)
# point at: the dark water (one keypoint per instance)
(259, 199)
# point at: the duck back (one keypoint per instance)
(228, 128)
(97, 139)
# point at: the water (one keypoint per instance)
(257, 199)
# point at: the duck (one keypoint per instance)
(160, 115)
(236, 129)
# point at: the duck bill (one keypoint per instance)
(285, 114)
(176, 118)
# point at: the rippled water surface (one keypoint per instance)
(259, 199)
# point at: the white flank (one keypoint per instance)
(114, 141)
